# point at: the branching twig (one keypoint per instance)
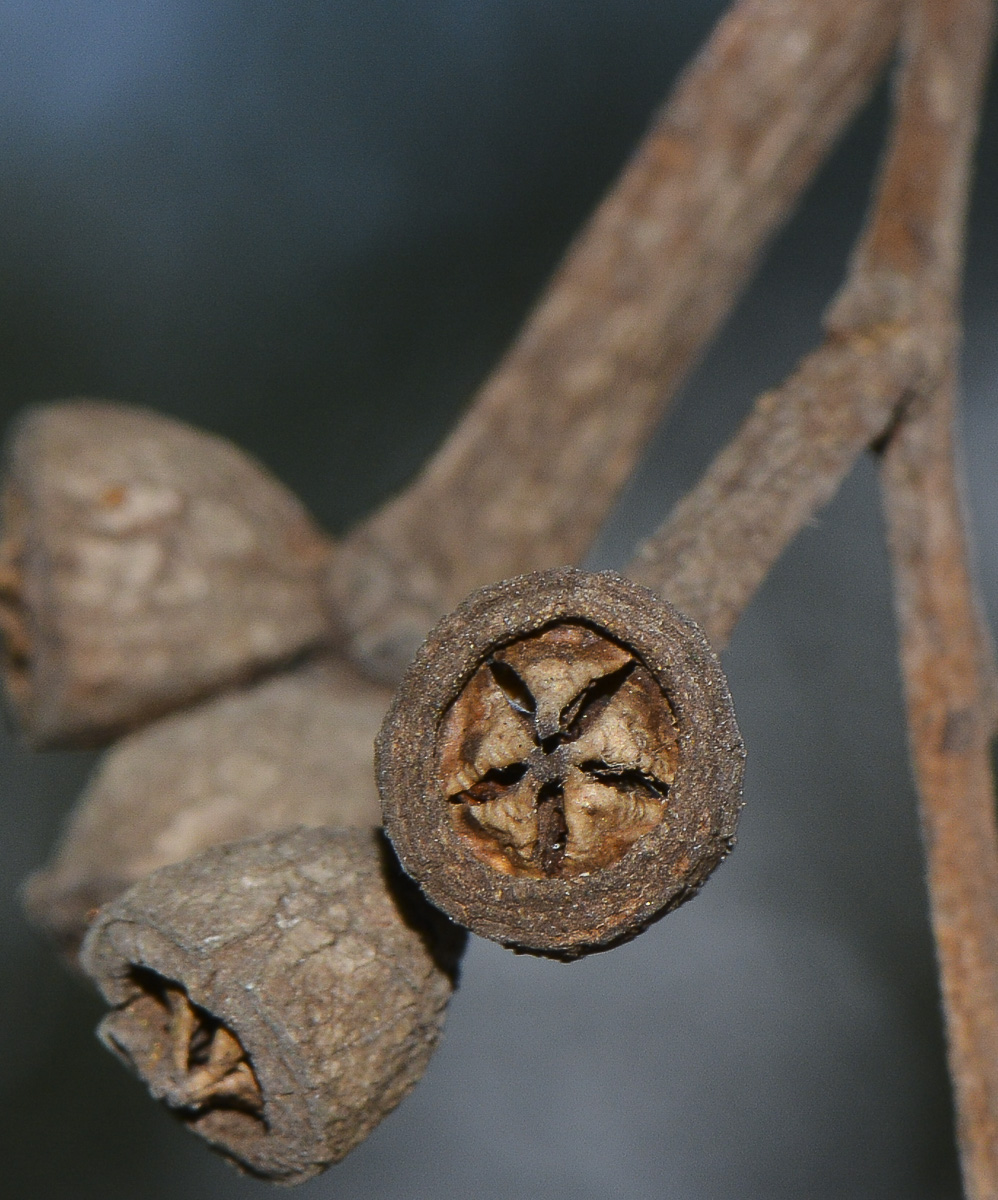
(892, 339)
(949, 730)
(786, 461)
(526, 479)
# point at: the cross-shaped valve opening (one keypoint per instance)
(558, 754)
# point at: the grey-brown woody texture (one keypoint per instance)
(143, 564)
(281, 995)
(508, 873)
(292, 750)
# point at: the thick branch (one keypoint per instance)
(946, 652)
(950, 728)
(526, 479)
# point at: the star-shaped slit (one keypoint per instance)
(558, 754)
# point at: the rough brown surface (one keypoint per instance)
(281, 995)
(567, 859)
(557, 772)
(887, 373)
(293, 750)
(946, 652)
(143, 564)
(950, 730)
(526, 479)
(787, 460)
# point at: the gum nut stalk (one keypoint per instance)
(281, 995)
(295, 749)
(143, 563)
(561, 764)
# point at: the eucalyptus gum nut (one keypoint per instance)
(144, 563)
(281, 995)
(561, 763)
(294, 749)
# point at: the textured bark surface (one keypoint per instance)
(293, 750)
(281, 995)
(143, 564)
(557, 771)
(785, 463)
(676, 770)
(947, 654)
(950, 729)
(891, 332)
(527, 478)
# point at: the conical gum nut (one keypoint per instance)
(281, 995)
(143, 564)
(295, 749)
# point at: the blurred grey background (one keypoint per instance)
(312, 227)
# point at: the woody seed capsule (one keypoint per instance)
(279, 995)
(561, 764)
(143, 564)
(291, 750)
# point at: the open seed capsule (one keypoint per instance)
(561, 763)
(280, 995)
